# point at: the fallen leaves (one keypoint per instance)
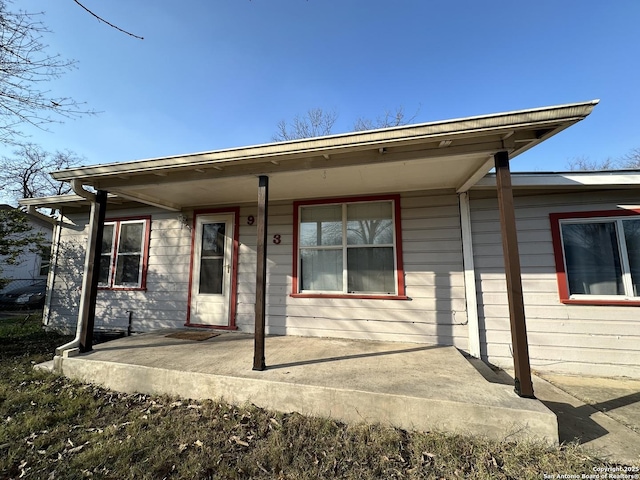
(76, 449)
(238, 441)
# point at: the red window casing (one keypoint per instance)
(558, 252)
(400, 292)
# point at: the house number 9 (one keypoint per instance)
(250, 220)
(277, 239)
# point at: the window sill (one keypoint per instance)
(124, 289)
(616, 303)
(347, 295)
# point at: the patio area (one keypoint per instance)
(407, 385)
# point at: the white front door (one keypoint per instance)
(212, 264)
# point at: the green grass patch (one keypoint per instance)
(55, 428)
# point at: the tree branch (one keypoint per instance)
(100, 19)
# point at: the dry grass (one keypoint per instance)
(53, 428)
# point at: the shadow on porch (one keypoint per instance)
(418, 387)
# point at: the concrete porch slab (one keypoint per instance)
(411, 386)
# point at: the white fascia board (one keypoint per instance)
(484, 124)
(574, 179)
(55, 201)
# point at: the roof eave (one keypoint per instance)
(550, 180)
(59, 201)
(477, 125)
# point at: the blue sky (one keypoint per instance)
(222, 73)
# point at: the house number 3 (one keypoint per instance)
(277, 239)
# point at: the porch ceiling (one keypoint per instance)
(452, 154)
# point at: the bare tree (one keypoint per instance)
(25, 65)
(26, 173)
(316, 122)
(631, 160)
(584, 164)
(390, 118)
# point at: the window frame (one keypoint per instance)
(399, 294)
(115, 245)
(603, 216)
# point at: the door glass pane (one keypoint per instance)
(321, 270)
(371, 270)
(213, 239)
(632, 237)
(212, 258)
(211, 270)
(130, 238)
(321, 226)
(107, 239)
(593, 259)
(127, 270)
(369, 224)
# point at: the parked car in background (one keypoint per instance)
(23, 295)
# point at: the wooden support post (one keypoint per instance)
(523, 384)
(261, 273)
(94, 244)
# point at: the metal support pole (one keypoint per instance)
(261, 273)
(523, 384)
(90, 282)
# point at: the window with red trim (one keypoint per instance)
(348, 247)
(123, 254)
(598, 256)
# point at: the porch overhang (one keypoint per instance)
(451, 154)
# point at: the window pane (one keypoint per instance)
(45, 260)
(130, 238)
(213, 239)
(211, 270)
(105, 265)
(127, 270)
(593, 259)
(321, 225)
(107, 239)
(371, 270)
(321, 270)
(632, 236)
(369, 223)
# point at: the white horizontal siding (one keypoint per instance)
(434, 281)
(162, 305)
(432, 254)
(65, 294)
(578, 339)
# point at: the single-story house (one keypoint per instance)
(397, 234)
(30, 265)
